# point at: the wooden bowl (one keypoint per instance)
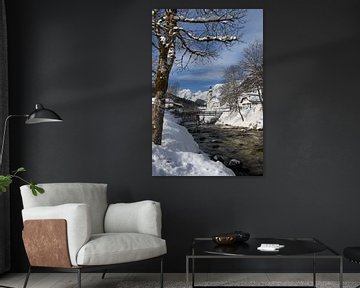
(225, 239)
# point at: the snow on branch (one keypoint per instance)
(187, 48)
(210, 19)
(208, 38)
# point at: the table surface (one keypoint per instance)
(293, 247)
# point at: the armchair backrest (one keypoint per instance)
(55, 194)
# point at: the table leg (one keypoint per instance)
(341, 273)
(193, 267)
(187, 272)
(193, 272)
(314, 271)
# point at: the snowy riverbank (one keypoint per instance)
(250, 107)
(179, 154)
(253, 117)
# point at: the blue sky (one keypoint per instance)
(201, 76)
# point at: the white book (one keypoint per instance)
(270, 247)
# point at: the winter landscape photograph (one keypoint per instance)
(207, 92)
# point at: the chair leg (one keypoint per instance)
(79, 277)
(103, 275)
(161, 273)
(27, 277)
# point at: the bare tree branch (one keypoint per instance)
(225, 38)
(252, 66)
(155, 46)
(204, 20)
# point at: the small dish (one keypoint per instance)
(225, 239)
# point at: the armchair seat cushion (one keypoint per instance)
(114, 248)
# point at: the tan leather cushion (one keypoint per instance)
(77, 218)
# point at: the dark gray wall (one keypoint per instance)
(90, 61)
(4, 166)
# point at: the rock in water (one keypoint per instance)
(217, 158)
(234, 163)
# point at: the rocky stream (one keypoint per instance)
(239, 149)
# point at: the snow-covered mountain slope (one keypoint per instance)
(179, 154)
(185, 93)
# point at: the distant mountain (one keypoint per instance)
(201, 95)
(182, 102)
(185, 94)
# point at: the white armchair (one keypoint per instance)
(72, 228)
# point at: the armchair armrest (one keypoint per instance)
(77, 217)
(138, 217)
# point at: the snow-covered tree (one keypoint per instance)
(244, 78)
(174, 88)
(252, 68)
(187, 35)
(231, 90)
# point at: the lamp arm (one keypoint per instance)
(4, 134)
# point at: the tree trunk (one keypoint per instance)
(239, 110)
(260, 97)
(161, 85)
(165, 63)
(158, 117)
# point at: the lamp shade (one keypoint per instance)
(42, 115)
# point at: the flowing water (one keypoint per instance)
(227, 142)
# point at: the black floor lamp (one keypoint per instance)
(39, 115)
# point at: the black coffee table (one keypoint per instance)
(295, 248)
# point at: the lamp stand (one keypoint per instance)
(4, 135)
